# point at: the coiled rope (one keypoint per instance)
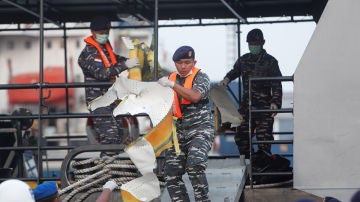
(91, 174)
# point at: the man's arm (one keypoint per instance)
(234, 73)
(192, 95)
(108, 187)
(199, 90)
(97, 69)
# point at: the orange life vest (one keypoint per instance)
(90, 41)
(187, 84)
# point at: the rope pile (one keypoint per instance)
(91, 174)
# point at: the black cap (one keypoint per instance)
(255, 35)
(100, 23)
(184, 52)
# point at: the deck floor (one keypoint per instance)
(277, 195)
(225, 177)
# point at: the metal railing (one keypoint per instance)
(11, 123)
(252, 142)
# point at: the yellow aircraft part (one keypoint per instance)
(150, 58)
(140, 55)
(127, 197)
(135, 72)
(161, 137)
(32, 184)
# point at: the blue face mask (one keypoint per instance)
(102, 38)
(255, 49)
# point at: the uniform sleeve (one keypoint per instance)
(276, 86)
(235, 72)
(96, 69)
(202, 84)
(120, 59)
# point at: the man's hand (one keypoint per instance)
(224, 82)
(133, 62)
(164, 81)
(111, 184)
(273, 106)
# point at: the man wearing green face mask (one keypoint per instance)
(100, 64)
(265, 95)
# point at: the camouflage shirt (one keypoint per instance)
(196, 117)
(95, 71)
(263, 92)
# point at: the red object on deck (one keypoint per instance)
(57, 96)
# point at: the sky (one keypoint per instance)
(285, 41)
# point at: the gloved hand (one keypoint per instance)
(111, 184)
(124, 73)
(224, 82)
(273, 106)
(164, 81)
(133, 62)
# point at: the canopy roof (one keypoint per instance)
(60, 11)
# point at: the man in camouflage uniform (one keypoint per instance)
(265, 94)
(194, 126)
(100, 64)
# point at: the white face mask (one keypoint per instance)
(102, 38)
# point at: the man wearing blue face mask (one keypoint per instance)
(100, 64)
(265, 95)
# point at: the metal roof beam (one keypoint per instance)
(30, 12)
(233, 11)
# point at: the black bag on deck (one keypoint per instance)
(264, 163)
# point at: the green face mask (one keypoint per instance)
(102, 38)
(255, 49)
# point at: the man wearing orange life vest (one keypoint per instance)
(99, 64)
(194, 126)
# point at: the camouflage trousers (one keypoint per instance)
(193, 160)
(261, 127)
(106, 127)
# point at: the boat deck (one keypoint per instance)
(226, 183)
